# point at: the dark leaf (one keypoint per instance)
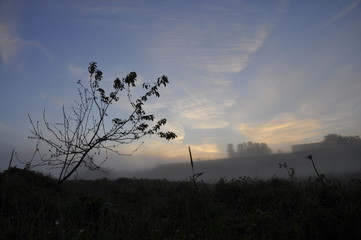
(92, 67)
(167, 135)
(131, 78)
(118, 84)
(98, 75)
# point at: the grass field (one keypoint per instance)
(33, 206)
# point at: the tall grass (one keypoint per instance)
(36, 207)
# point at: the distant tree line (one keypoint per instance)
(248, 149)
(329, 141)
(338, 139)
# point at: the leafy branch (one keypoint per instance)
(88, 129)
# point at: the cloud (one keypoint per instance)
(203, 112)
(283, 129)
(204, 105)
(233, 53)
(213, 50)
(76, 71)
(338, 101)
(5, 128)
(346, 10)
(10, 45)
(222, 41)
(343, 12)
(107, 9)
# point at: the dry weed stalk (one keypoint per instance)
(194, 175)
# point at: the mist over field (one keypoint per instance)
(336, 155)
(337, 161)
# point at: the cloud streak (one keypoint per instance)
(76, 71)
(283, 129)
(10, 45)
(343, 12)
(201, 113)
(214, 50)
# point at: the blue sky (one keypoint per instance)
(280, 72)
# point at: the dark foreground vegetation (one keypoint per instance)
(34, 206)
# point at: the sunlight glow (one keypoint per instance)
(284, 128)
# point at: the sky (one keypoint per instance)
(280, 72)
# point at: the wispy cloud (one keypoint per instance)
(10, 45)
(199, 105)
(233, 53)
(210, 54)
(5, 128)
(338, 101)
(212, 49)
(346, 10)
(283, 129)
(203, 112)
(222, 42)
(76, 71)
(343, 12)
(107, 9)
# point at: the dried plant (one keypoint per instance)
(290, 171)
(321, 177)
(194, 175)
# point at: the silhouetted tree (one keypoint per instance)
(249, 148)
(88, 130)
(230, 150)
(241, 147)
(338, 139)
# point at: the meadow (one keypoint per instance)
(34, 206)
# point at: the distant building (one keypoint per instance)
(322, 145)
(309, 146)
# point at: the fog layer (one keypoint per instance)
(328, 161)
